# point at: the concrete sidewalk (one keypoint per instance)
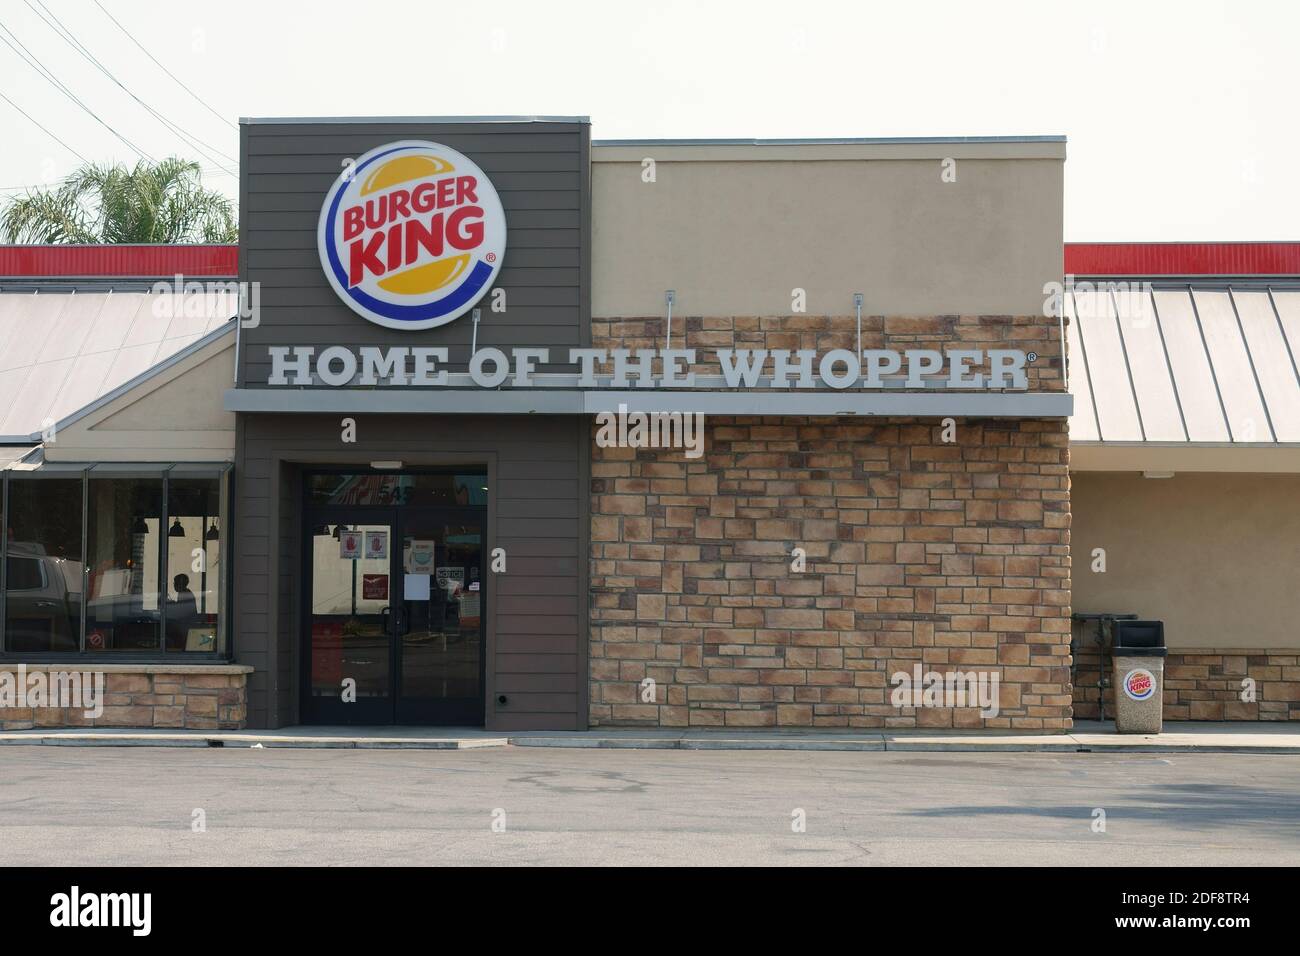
(1086, 737)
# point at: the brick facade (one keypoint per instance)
(194, 697)
(822, 333)
(1201, 684)
(954, 555)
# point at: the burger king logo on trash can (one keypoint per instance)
(1139, 684)
(411, 235)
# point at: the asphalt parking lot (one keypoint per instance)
(80, 806)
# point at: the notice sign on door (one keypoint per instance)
(374, 587)
(449, 579)
(376, 544)
(349, 544)
(419, 558)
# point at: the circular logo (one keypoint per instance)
(1139, 683)
(411, 235)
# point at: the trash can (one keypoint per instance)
(1139, 654)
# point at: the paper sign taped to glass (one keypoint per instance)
(420, 556)
(349, 544)
(377, 544)
(450, 579)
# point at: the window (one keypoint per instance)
(193, 578)
(152, 579)
(123, 538)
(43, 567)
(405, 488)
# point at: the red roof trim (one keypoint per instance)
(1182, 258)
(1081, 258)
(149, 262)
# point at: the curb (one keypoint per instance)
(866, 743)
(246, 742)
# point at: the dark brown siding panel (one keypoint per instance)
(536, 610)
(538, 466)
(539, 170)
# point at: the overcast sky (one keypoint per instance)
(1180, 115)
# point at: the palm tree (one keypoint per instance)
(161, 202)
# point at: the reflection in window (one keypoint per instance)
(43, 568)
(468, 489)
(193, 564)
(122, 540)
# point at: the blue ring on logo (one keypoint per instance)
(469, 290)
(1150, 690)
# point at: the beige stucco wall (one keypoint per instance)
(733, 229)
(1215, 556)
(177, 415)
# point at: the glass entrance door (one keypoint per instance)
(440, 617)
(393, 614)
(349, 628)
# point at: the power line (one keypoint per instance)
(68, 37)
(45, 74)
(163, 68)
(44, 130)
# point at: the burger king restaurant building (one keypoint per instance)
(497, 426)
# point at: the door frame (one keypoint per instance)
(389, 712)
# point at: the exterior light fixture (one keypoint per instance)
(385, 465)
(176, 530)
(212, 534)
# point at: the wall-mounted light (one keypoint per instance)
(385, 465)
(1157, 474)
(212, 534)
(176, 530)
(670, 298)
(857, 308)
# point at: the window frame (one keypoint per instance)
(223, 472)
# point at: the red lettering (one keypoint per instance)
(397, 205)
(465, 235)
(376, 212)
(394, 246)
(465, 186)
(363, 255)
(352, 223)
(423, 198)
(446, 190)
(418, 235)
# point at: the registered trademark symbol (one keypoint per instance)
(1032, 356)
(491, 257)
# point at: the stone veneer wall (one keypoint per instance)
(825, 332)
(953, 555)
(1201, 683)
(196, 697)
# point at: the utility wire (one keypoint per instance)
(67, 36)
(163, 68)
(45, 74)
(44, 130)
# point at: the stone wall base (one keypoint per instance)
(190, 696)
(1204, 684)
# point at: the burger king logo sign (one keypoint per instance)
(1139, 683)
(411, 235)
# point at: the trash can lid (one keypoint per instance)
(1123, 651)
(1131, 634)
